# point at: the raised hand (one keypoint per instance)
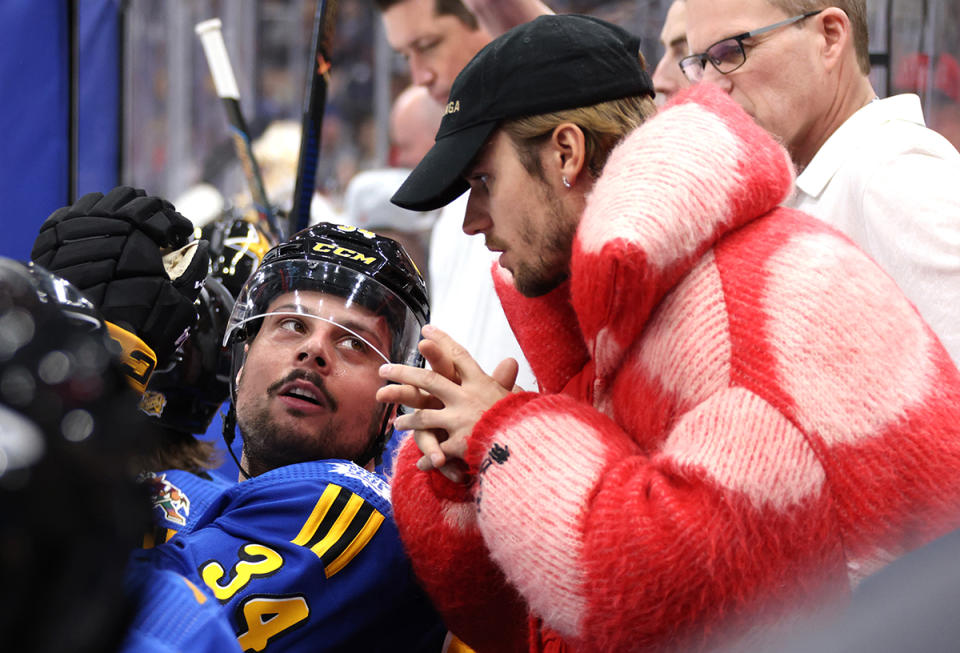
(449, 399)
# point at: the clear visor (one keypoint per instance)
(319, 291)
(326, 311)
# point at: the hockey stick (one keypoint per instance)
(215, 50)
(314, 102)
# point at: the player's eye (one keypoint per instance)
(354, 344)
(292, 324)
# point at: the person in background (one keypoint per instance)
(741, 415)
(937, 82)
(867, 166)
(414, 118)
(438, 38)
(497, 16)
(667, 76)
(366, 204)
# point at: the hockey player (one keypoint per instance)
(133, 256)
(185, 395)
(304, 555)
(70, 512)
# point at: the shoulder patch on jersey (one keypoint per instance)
(371, 481)
(167, 498)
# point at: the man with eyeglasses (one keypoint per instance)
(869, 167)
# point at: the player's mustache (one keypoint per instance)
(305, 375)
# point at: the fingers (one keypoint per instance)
(429, 446)
(438, 361)
(422, 420)
(426, 380)
(454, 471)
(440, 451)
(452, 468)
(461, 359)
(407, 395)
(506, 373)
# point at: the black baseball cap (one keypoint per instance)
(550, 64)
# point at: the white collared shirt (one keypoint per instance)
(893, 187)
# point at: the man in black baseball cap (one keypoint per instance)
(549, 64)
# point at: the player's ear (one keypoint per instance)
(392, 416)
(246, 350)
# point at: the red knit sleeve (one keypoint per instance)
(621, 550)
(438, 525)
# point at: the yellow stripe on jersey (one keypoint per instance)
(339, 527)
(319, 512)
(363, 537)
(150, 540)
(197, 594)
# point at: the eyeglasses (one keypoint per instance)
(728, 54)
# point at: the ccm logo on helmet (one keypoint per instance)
(336, 250)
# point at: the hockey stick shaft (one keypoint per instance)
(314, 103)
(215, 50)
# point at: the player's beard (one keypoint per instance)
(267, 445)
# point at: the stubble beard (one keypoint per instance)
(554, 246)
(268, 445)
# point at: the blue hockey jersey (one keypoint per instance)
(307, 558)
(172, 614)
(179, 500)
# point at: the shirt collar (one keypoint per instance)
(843, 141)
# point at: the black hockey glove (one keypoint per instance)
(131, 255)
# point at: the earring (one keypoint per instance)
(566, 182)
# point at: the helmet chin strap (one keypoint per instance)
(230, 434)
(375, 450)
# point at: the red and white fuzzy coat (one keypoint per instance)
(740, 416)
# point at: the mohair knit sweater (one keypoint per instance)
(740, 417)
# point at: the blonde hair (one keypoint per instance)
(603, 126)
